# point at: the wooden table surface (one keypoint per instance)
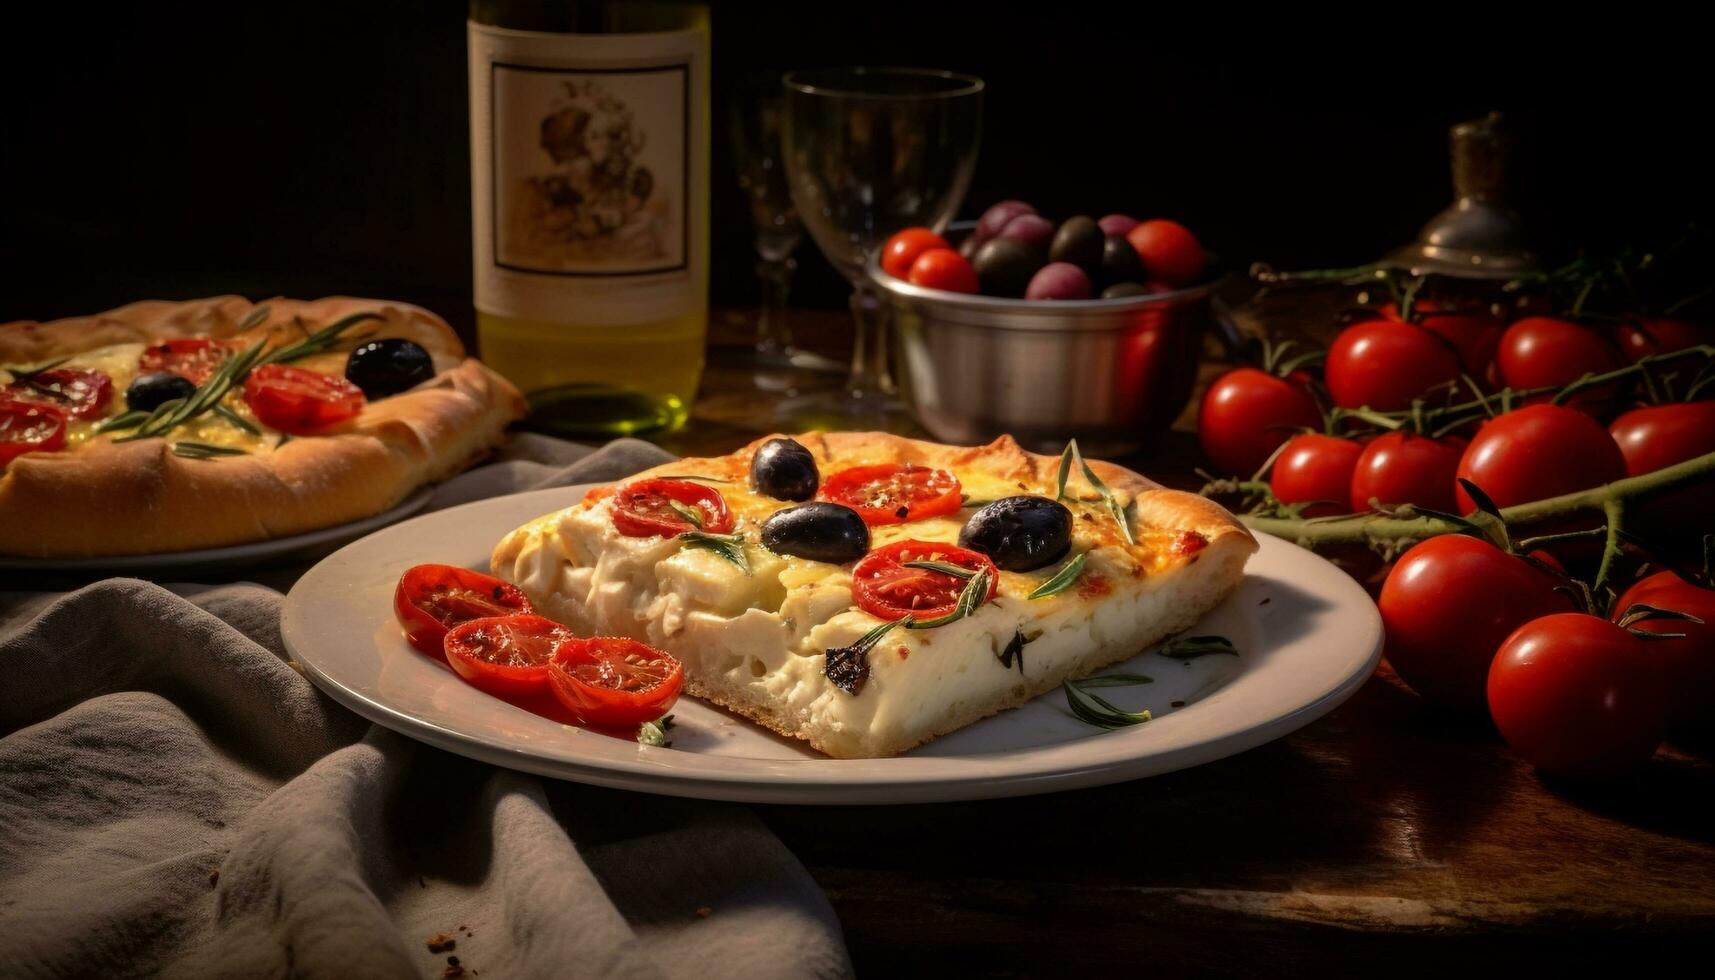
(1386, 836)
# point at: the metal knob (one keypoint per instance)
(1478, 236)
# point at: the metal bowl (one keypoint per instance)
(1111, 373)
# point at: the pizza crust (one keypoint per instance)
(128, 498)
(1134, 617)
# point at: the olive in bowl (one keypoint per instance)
(1020, 533)
(785, 470)
(818, 531)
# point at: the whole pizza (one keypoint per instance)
(866, 592)
(167, 426)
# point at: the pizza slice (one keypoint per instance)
(165, 426)
(866, 592)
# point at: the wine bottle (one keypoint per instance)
(590, 206)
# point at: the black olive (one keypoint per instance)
(1079, 241)
(147, 392)
(1119, 262)
(1121, 289)
(784, 470)
(1020, 533)
(388, 366)
(817, 531)
(1004, 266)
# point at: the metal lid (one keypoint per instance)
(1478, 236)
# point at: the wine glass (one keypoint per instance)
(870, 151)
(755, 123)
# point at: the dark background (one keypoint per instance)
(305, 149)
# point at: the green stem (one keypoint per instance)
(1382, 529)
(1614, 511)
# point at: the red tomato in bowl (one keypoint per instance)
(894, 493)
(507, 656)
(1472, 329)
(1385, 365)
(1542, 352)
(431, 599)
(1247, 413)
(668, 508)
(614, 683)
(1448, 604)
(1406, 468)
(1575, 694)
(299, 401)
(1537, 452)
(902, 250)
(1170, 252)
(1643, 336)
(886, 588)
(1316, 469)
(1690, 660)
(943, 268)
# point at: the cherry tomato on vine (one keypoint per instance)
(902, 250)
(1472, 329)
(431, 599)
(1575, 694)
(1406, 468)
(667, 508)
(1658, 436)
(893, 493)
(1447, 605)
(299, 401)
(1170, 253)
(1643, 336)
(1247, 413)
(614, 682)
(1688, 661)
(1385, 364)
(1543, 351)
(1537, 452)
(943, 268)
(886, 588)
(1316, 468)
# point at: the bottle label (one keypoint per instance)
(585, 156)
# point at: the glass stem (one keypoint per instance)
(773, 331)
(869, 377)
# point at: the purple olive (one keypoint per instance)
(1059, 280)
(996, 217)
(1031, 229)
(1118, 224)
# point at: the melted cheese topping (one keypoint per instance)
(769, 630)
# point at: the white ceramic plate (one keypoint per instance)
(1307, 634)
(299, 547)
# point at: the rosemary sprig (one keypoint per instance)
(692, 515)
(317, 342)
(27, 375)
(1063, 579)
(728, 546)
(205, 450)
(236, 419)
(655, 732)
(1096, 710)
(1192, 647)
(971, 598)
(1013, 654)
(1067, 457)
(127, 420)
(945, 568)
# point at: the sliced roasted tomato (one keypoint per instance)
(886, 587)
(431, 599)
(665, 508)
(893, 493)
(298, 401)
(29, 427)
(614, 682)
(79, 394)
(193, 358)
(506, 656)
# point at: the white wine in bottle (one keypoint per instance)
(589, 137)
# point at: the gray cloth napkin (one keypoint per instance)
(176, 799)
